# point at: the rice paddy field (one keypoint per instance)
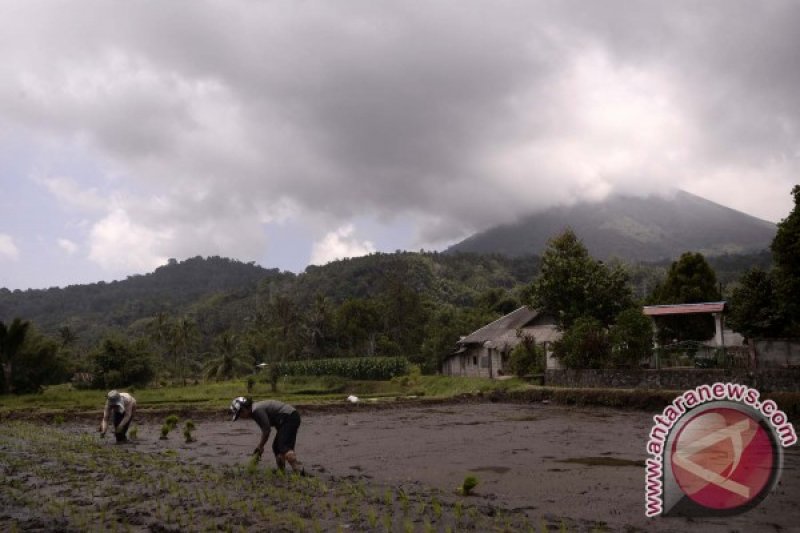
(537, 467)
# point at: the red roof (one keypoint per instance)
(684, 309)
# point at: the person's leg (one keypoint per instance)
(120, 432)
(123, 431)
(280, 460)
(288, 440)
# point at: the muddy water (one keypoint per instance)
(548, 460)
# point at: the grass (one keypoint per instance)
(217, 395)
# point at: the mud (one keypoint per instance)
(555, 466)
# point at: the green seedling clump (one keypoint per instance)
(187, 431)
(470, 482)
(170, 423)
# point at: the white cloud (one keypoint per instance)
(73, 194)
(68, 246)
(8, 249)
(118, 244)
(339, 244)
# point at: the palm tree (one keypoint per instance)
(68, 337)
(229, 363)
(317, 325)
(184, 339)
(11, 339)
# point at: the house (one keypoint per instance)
(486, 352)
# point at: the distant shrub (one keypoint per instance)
(366, 368)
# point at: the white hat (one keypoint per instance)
(237, 404)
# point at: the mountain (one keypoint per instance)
(222, 294)
(632, 228)
(174, 287)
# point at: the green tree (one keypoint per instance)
(161, 330)
(119, 362)
(571, 284)
(12, 338)
(284, 322)
(185, 337)
(690, 279)
(229, 362)
(404, 317)
(786, 257)
(526, 357)
(358, 324)
(67, 336)
(447, 324)
(631, 338)
(319, 326)
(39, 363)
(754, 307)
(584, 345)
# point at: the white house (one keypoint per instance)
(486, 352)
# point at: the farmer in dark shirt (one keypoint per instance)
(272, 413)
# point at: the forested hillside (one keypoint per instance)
(186, 317)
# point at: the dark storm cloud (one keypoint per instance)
(458, 115)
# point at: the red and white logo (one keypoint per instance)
(723, 459)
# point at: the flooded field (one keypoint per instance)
(539, 467)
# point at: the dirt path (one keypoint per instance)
(584, 464)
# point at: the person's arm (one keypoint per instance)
(104, 422)
(260, 448)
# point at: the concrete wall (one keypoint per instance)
(474, 363)
(765, 380)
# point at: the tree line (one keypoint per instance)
(189, 321)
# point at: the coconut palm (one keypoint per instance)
(229, 363)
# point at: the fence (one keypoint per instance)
(693, 354)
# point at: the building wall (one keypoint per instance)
(475, 363)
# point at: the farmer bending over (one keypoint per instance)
(272, 413)
(120, 407)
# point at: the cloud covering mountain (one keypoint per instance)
(273, 131)
(630, 228)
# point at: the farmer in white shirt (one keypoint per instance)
(119, 410)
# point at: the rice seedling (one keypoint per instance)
(188, 427)
(372, 518)
(403, 499)
(469, 484)
(170, 423)
(436, 507)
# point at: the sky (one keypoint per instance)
(296, 132)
